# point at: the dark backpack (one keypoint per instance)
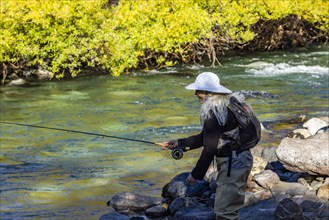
(249, 125)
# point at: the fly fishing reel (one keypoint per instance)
(177, 153)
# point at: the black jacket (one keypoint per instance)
(208, 138)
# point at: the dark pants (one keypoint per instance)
(230, 190)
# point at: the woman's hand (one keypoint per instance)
(169, 144)
(190, 179)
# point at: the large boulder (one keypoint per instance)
(305, 155)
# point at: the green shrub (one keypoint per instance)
(56, 35)
(159, 26)
(236, 17)
(68, 36)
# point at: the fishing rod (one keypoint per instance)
(176, 153)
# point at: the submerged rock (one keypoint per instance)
(258, 94)
(258, 64)
(242, 95)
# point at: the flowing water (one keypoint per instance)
(48, 174)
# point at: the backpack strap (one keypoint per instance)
(232, 136)
(229, 162)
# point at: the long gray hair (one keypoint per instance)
(217, 104)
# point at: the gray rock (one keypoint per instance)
(320, 179)
(267, 179)
(316, 184)
(258, 94)
(182, 202)
(308, 155)
(17, 82)
(303, 182)
(269, 154)
(258, 65)
(156, 211)
(301, 133)
(315, 209)
(293, 189)
(43, 74)
(288, 210)
(261, 210)
(325, 119)
(133, 202)
(314, 124)
(311, 207)
(258, 165)
(178, 187)
(257, 150)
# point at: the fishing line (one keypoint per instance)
(176, 153)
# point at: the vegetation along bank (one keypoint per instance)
(63, 38)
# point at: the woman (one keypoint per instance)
(219, 131)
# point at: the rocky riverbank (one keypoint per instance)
(290, 181)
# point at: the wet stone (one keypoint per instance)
(288, 210)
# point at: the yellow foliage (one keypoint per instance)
(66, 36)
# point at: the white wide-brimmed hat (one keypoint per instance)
(208, 81)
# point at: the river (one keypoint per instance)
(49, 174)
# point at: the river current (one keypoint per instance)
(49, 174)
